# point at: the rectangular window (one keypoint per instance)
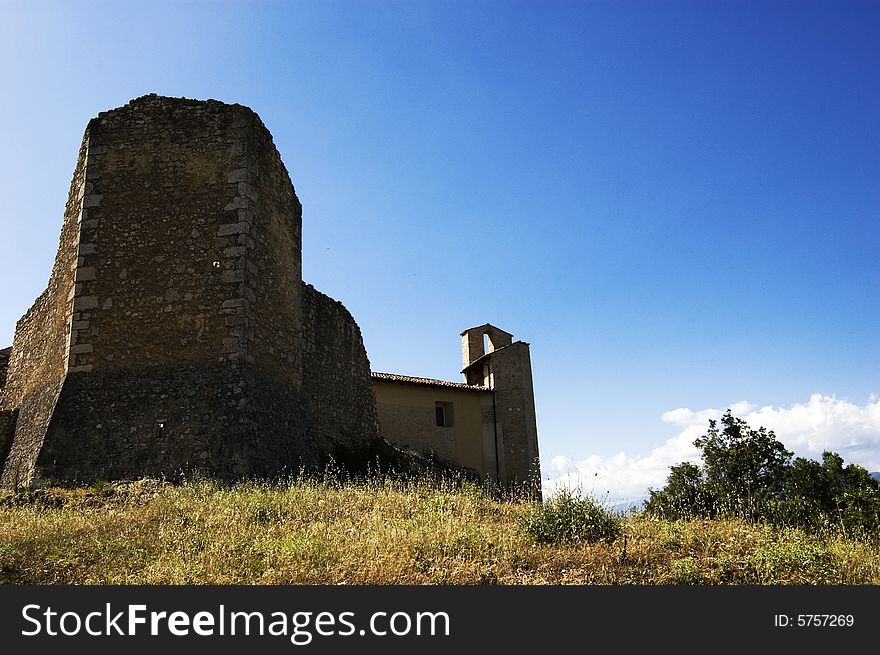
(444, 414)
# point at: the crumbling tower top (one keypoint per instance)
(480, 340)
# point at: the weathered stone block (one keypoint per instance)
(228, 229)
(237, 203)
(84, 274)
(232, 276)
(84, 302)
(238, 175)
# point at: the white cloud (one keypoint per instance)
(807, 429)
(826, 423)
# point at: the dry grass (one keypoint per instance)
(381, 533)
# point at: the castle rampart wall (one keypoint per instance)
(4, 367)
(271, 279)
(337, 388)
(7, 416)
(40, 350)
(40, 345)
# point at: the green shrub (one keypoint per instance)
(567, 518)
(685, 571)
(794, 557)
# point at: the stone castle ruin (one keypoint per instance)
(175, 333)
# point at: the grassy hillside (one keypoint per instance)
(382, 533)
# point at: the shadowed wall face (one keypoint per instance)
(7, 416)
(4, 367)
(337, 390)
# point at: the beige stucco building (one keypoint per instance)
(486, 423)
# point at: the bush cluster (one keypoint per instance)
(567, 518)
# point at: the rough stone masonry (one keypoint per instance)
(175, 333)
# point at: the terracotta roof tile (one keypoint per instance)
(425, 382)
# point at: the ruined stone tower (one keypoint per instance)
(175, 333)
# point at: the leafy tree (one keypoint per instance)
(828, 493)
(744, 468)
(684, 496)
(748, 473)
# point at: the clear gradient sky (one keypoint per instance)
(676, 203)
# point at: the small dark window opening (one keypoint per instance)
(444, 414)
(160, 428)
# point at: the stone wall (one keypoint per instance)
(40, 350)
(31, 426)
(4, 367)
(337, 390)
(515, 413)
(8, 419)
(41, 335)
(169, 421)
(271, 283)
(7, 416)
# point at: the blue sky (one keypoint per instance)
(675, 203)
